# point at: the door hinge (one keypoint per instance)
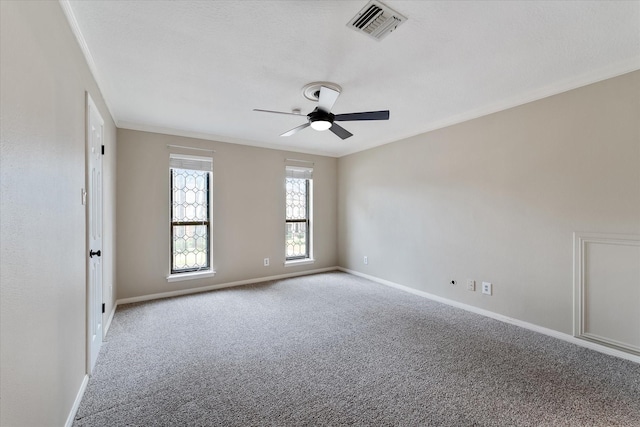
(103, 303)
(103, 149)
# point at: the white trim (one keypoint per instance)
(540, 329)
(580, 241)
(84, 47)
(222, 285)
(610, 341)
(204, 164)
(76, 403)
(297, 262)
(109, 320)
(181, 277)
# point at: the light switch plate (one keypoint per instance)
(471, 285)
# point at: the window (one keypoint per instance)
(298, 184)
(190, 213)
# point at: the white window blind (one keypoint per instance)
(184, 161)
(299, 172)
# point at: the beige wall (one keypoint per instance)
(497, 199)
(248, 212)
(43, 80)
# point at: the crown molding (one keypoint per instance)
(75, 29)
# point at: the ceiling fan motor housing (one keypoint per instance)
(320, 119)
(320, 115)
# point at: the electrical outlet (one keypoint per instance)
(471, 285)
(487, 288)
(266, 262)
(366, 260)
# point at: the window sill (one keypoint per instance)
(298, 262)
(190, 276)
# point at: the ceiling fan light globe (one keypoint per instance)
(321, 125)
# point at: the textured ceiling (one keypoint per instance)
(198, 68)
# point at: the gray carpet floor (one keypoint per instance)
(336, 349)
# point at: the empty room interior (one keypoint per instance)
(320, 213)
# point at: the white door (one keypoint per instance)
(95, 129)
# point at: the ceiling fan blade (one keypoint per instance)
(277, 112)
(365, 115)
(327, 98)
(296, 129)
(340, 131)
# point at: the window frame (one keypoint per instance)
(199, 272)
(297, 171)
(306, 221)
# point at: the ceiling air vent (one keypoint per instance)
(376, 20)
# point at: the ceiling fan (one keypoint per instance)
(321, 118)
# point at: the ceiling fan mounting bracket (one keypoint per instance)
(311, 91)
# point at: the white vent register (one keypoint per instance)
(376, 20)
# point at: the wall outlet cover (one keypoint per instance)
(266, 262)
(487, 288)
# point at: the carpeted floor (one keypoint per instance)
(336, 349)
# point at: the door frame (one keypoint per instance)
(93, 308)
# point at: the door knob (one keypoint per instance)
(92, 253)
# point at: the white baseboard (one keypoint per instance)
(500, 317)
(76, 403)
(220, 286)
